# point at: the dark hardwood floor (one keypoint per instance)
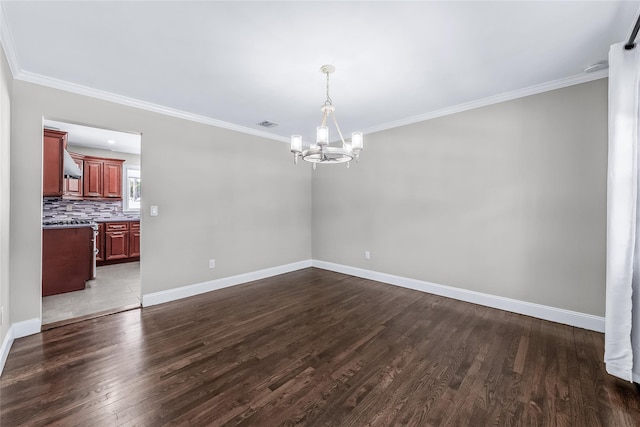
(314, 348)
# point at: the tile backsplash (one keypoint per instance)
(56, 208)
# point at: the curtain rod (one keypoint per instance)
(632, 38)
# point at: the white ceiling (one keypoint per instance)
(245, 62)
(87, 136)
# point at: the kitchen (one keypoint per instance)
(90, 222)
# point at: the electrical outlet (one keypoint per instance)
(212, 263)
(367, 255)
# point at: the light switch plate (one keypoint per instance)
(154, 211)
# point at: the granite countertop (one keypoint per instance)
(116, 219)
(68, 223)
(84, 221)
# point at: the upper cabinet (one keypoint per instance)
(101, 177)
(93, 177)
(53, 146)
(112, 184)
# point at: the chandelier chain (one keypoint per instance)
(328, 101)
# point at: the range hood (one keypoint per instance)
(69, 168)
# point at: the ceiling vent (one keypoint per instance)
(597, 66)
(268, 124)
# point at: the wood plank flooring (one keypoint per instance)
(314, 348)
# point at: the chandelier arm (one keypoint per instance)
(344, 145)
(324, 118)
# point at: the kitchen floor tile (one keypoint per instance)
(115, 286)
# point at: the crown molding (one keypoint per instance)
(143, 105)
(494, 99)
(6, 40)
(132, 102)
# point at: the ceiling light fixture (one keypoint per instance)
(322, 151)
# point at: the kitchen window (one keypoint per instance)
(131, 193)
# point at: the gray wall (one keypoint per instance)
(5, 199)
(221, 194)
(508, 200)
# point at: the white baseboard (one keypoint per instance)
(212, 285)
(553, 314)
(558, 315)
(17, 330)
(6, 346)
(26, 328)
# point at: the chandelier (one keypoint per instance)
(322, 151)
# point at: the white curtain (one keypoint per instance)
(622, 324)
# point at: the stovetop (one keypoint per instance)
(59, 223)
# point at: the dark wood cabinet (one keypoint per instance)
(102, 178)
(118, 242)
(112, 184)
(134, 239)
(93, 177)
(53, 144)
(67, 259)
(74, 187)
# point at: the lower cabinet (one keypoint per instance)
(67, 259)
(118, 242)
(134, 239)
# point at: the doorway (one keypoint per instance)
(96, 204)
